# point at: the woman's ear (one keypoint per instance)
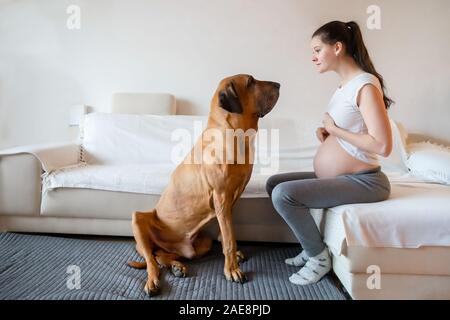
(338, 48)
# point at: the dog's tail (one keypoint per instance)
(137, 264)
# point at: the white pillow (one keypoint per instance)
(285, 144)
(295, 134)
(144, 103)
(430, 161)
(117, 139)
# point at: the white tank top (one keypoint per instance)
(344, 110)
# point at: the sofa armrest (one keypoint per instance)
(51, 156)
(21, 169)
(20, 185)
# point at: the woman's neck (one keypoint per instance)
(347, 69)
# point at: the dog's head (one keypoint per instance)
(242, 94)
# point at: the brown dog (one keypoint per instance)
(200, 192)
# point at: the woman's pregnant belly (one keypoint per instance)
(332, 160)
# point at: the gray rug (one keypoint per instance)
(36, 267)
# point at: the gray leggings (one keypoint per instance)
(294, 193)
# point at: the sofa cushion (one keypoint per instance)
(144, 103)
(117, 139)
(122, 139)
(78, 203)
(415, 215)
(424, 260)
(135, 178)
(398, 286)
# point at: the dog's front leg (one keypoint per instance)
(140, 226)
(222, 207)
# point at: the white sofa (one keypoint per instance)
(123, 162)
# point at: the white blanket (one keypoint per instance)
(416, 214)
(145, 179)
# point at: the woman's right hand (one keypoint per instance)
(322, 134)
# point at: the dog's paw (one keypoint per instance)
(240, 257)
(152, 287)
(178, 269)
(235, 275)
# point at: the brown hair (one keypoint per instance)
(350, 35)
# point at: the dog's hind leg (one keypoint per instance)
(141, 224)
(170, 260)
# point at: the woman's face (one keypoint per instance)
(324, 55)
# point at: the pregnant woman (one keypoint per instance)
(355, 131)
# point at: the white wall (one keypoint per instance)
(186, 46)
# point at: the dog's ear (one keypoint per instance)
(229, 100)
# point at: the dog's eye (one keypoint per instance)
(250, 81)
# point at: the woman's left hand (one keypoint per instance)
(328, 122)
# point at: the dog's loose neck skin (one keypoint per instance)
(222, 119)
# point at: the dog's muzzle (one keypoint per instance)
(270, 100)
